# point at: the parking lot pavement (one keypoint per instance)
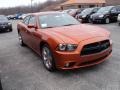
(22, 69)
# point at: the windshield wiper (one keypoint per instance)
(47, 27)
(69, 24)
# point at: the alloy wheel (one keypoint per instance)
(47, 57)
(107, 21)
(20, 38)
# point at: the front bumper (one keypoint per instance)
(97, 19)
(83, 19)
(4, 28)
(76, 61)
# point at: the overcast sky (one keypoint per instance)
(12, 3)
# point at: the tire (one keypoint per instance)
(21, 40)
(0, 85)
(119, 23)
(107, 21)
(10, 29)
(89, 20)
(47, 58)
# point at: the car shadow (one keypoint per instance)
(81, 71)
(70, 73)
(3, 32)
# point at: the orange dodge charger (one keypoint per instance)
(62, 42)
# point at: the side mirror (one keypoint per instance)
(113, 12)
(31, 26)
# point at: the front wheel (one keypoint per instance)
(47, 58)
(107, 20)
(10, 29)
(119, 23)
(90, 21)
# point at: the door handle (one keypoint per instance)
(26, 31)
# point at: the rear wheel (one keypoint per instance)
(21, 40)
(47, 58)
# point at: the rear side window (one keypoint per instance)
(114, 9)
(118, 9)
(25, 21)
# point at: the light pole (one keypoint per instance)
(31, 6)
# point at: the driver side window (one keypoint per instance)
(25, 21)
(32, 20)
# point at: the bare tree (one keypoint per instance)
(37, 7)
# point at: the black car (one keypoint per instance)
(0, 85)
(5, 25)
(84, 16)
(11, 17)
(106, 14)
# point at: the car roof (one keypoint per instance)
(48, 12)
(2, 15)
(110, 6)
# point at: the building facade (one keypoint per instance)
(82, 4)
(112, 2)
(88, 3)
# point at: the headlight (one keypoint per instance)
(67, 47)
(101, 16)
(83, 16)
(9, 23)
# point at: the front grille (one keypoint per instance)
(3, 24)
(95, 47)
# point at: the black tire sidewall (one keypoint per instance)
(106, 19)
(53, 68)
(21, 43)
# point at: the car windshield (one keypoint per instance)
(3, 18)
(104, 9)
(87, 11)
(57, 20)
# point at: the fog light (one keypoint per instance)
(67, 64)
(70, 64)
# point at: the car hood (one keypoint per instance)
(77, 33)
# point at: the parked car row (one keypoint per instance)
(85, 15)
(106, 14)
(100, 15)
(16, 16)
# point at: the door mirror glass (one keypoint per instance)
(113, 11)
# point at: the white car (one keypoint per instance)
(119, 19)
